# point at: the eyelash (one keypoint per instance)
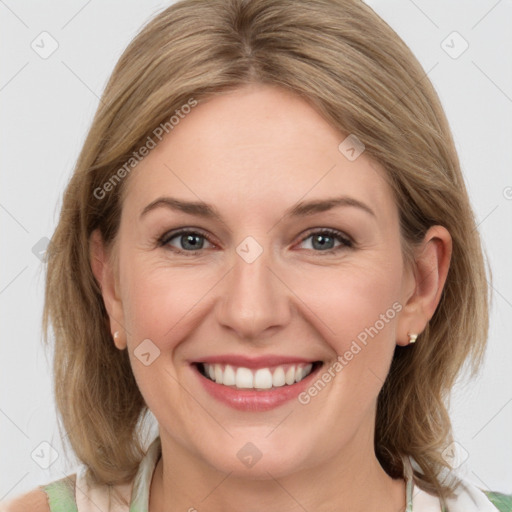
(168, 236)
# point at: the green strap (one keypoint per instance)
(503, 502)
(61, 495)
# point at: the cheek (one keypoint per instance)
(366, 307)
(357, 308)
(349, 300)
(357, 312)
(161, 302)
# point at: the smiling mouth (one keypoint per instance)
(269, 378)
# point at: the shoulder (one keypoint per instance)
(470, 497)
(503, 502)
(35, 501)
(56, 495)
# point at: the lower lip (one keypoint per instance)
(252, 400)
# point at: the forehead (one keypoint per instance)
(258, 145)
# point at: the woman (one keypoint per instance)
(267, 243)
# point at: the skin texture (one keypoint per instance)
(253, 153)
(35, 500)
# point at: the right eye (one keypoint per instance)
(189, 240)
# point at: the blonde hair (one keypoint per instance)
(345, 60)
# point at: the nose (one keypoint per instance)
(256, 302)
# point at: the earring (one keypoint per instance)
(412, 338)
(116, 335)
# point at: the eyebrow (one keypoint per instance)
(302, 209)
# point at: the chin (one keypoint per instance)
(259, 458)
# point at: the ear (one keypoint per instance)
(106, 274)
(426, 279)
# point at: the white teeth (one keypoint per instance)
(262, 378)
(290, 375)
(229, 378)
(278, 379)
(244, 378)
(302, 372)
(218, 373)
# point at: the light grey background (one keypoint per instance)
(46, 109)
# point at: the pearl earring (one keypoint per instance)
(412, 338)
(116, 335)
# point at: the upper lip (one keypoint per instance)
(253, 362)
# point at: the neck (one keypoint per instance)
(349, 482)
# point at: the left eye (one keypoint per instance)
(322, 238)
(192, 242)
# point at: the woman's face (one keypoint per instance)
(260, 286)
